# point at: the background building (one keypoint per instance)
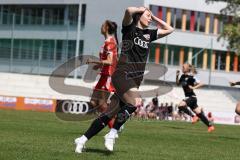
(37, 36)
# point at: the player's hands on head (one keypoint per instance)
(232, 83)
(142, 9)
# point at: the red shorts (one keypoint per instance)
(105, 83)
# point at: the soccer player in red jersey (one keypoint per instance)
(107, 63)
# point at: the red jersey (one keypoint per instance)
(109, 47)
(105, 82)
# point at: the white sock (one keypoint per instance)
(83, 139)
(113, 132)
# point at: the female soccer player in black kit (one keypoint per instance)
(237, 110)
(189, 82)
(127, 78)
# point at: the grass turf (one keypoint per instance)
(26, 135)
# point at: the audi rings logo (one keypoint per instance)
(140, 42)
(75, 107)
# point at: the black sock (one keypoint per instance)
(123, 115)
(186, 110)
(204, 119)
(96, 126)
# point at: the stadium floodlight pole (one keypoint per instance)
(210, 66)
(78, 39)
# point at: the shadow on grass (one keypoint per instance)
(173, 127)
(102, 151)
(228, 138)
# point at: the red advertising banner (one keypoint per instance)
(26, 103)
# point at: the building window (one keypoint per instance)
(1, 14)
(197, 23)
(60, 49)
(26, 16)
(178, 18)
(162, 47)
(7, 15)
(232, 54)
(16, 49)
(211, 23)
(220, 60)
(38, 16)
(5, 45)
(159, 13)
(83, 15)
(73, 14)
(26, 49)
(188, 14)
(47, 49)
(164, 14)
(58, 16)
(152, 52)
(71, 48)
(37, 49)
(17, 15)
(173, 18)
(48, 17)
(201, 22)
(175, 50)
(154, 9)
(81, 47)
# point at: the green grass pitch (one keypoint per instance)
(26, 135)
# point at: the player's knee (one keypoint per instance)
(129, 108)
(93, 103)
(237, 110)
(126, 111)
(104, 119)
(198, 110)
(182, 104)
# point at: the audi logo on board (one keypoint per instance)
(74, 107)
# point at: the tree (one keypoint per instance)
(231, 29)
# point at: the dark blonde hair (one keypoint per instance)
(192, 69)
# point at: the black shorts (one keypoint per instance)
(122, 82)
(191, 102)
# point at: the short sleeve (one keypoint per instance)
(153, 34)
(181, 79)
(127, 28)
